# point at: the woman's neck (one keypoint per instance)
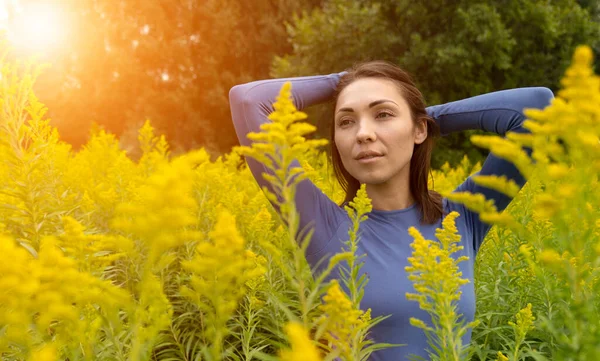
(392, 195)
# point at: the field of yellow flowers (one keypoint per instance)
(183, 257)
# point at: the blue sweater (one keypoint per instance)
(384, 236)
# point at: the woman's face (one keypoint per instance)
(372, 116)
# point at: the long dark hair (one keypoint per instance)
(428, 201)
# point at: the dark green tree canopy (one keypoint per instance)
(454, 49)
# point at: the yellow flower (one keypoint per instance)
(164, 208)
(557, 171)
(447, 179)
(279, 143)
(550, 257)
(302, 348)
(361, 204)
(432, 269)
(526, 250)
(474, 202)
(47, 352)
(437, 281)
(154, 311)
(498, 183)
(566, 191)
(45, 293)
(284, 130)
(155, 150)
(500, 219)
(524, 323)
(506, 149)
(357, 211)
(216, 289)
(419, 324)
(92, 252)
(342, 321)
(257, 272)
(546, 205)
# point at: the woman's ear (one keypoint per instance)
(420, 131)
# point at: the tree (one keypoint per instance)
(454, 49)
(170, 61)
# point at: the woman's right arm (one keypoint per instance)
(250, 104)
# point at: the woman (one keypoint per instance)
(383, 136)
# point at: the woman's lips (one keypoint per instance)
(368, 160)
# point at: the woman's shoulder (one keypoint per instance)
(449, 206)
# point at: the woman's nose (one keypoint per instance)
(365, 132)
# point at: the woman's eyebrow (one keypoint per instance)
(371, 105)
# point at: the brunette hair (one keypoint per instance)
(429, 202)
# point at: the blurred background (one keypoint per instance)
(116, 63)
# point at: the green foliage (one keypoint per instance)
(454, 49)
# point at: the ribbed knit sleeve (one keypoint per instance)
(250, 104)
(498, 112)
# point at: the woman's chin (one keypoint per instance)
(372, 179)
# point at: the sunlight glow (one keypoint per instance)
(38, 28)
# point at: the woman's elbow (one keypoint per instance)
(540, 97)
(237, 94)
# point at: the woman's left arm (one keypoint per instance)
(498, 112)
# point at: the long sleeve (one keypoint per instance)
(250, 104)
(498, 112)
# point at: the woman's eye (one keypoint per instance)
(382, 115)
(344, 122)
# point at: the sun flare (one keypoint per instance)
(37, 28)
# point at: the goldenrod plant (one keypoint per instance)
(437, 280)
(557, 231)
(524, 324)
(302, 347)
(357, 210)
(280, 143)
(215, 289)
(42, 309)
(346, 325)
